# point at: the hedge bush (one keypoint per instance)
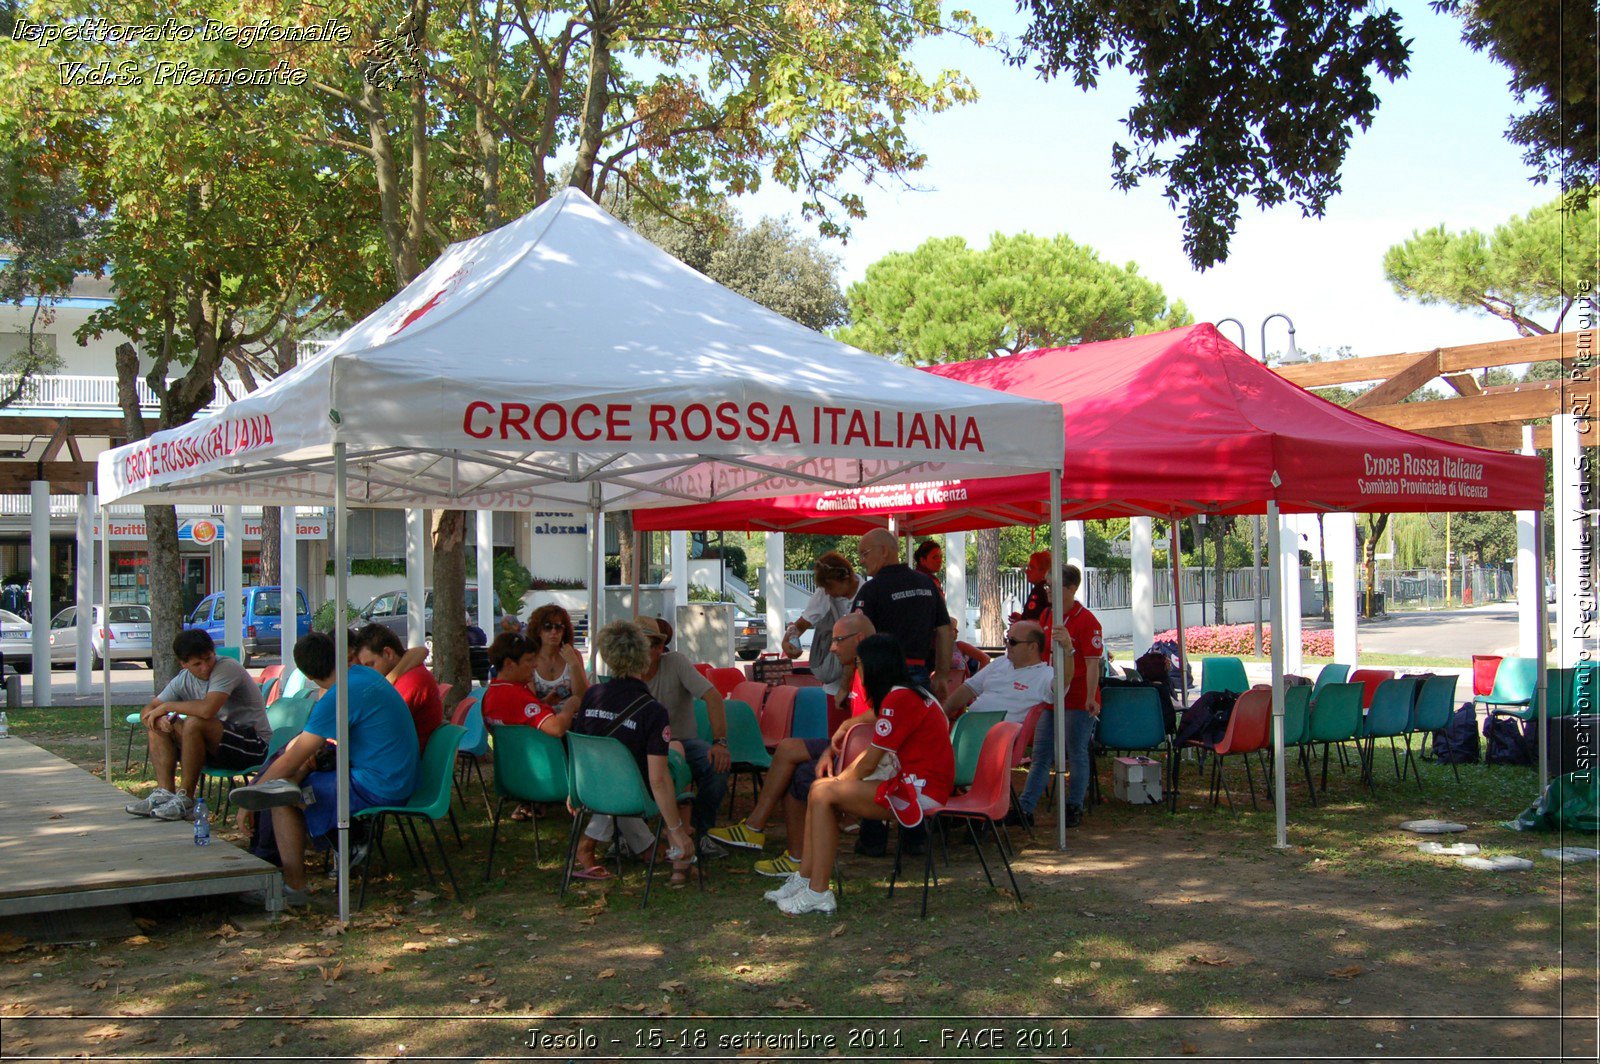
(1239, 640)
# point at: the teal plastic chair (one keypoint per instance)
(1331, 673)
(287, 718)
(746, 747)
(1131, 720)
(702, 718)
(603, 779)
(966, 739)
(810, 714)
(474, 747)
(1436, 704)
(1514, 684)
(1336, 719)
(429, 802)
(1571, 692)
(1389, 717)
(529, 766)
(1297, 729)
(1223, 674)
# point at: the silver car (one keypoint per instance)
(16, 641)
(129, 634)
(389, 610)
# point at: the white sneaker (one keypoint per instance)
(145, 806)
(807, 900)
(786, 888)
(178, 807)
(259, 796)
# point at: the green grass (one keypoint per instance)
(1146, 914)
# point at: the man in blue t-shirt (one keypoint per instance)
(303, 798)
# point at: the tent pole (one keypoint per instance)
(597, 574)
(341, 666)
(1280, 799)
(1175, 556)
(1057, 658)
(1541, 645)
(105, 611)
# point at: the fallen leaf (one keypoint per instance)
(181, 1040)
(1094, 964)
(145, 923)
(108, 962)
(1189, 1049)
(1346, 973)
(469, 913)
(587, 923)
(790, 1003)
(608, 973)
(334, 928)
(892, 999)
(331, 975)
(104, 1033)
(497, 1003)
(421, 897)
(430, 929)
(742, 969)
(227, 930)
(415, 947)
(671, 985)
(636, 1008)
(378, 968)
(277, 1040)
(1214, 962)
(136, 940)
(836, 932)
(95, 984)
(893, 973)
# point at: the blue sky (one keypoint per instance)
(1034, 156)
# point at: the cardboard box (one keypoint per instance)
(1137, 780)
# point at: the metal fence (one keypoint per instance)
(1434, 589)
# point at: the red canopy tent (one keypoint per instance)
(1168, 425)
(1173, 423)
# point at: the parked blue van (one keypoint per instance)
(263, 619)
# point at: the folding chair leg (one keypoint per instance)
(927, 874)
(128, 757)
(655, 854)
(977, 847)
(1251, 777)
(366, 869)
(572, 850)
(477, 767)
(1007, 862)
(445, 857)
(460, 845)
(422, 852)
(1305, 765)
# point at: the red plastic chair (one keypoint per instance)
(1369, 679)
(703, 668)
(726, 680)
(856, 741)
(1029, 725)
(1249, 729)
(777, 715)
(459, 714)
(987, 800)
(271, 672)
(1484, 668)
(274, 691)
(444, 692)
(750, 692)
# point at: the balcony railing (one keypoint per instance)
(56, 392)
(67, 506)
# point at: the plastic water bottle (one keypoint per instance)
(5, 728)
(202, 824)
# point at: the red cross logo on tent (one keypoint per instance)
(451, 283)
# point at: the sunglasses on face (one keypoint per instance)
(841, 638)
(1017, 642)
(552, 626)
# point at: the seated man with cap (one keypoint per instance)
(675, 683)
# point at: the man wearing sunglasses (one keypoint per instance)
(1013, 684)
(675, 683)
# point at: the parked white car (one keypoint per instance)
(16, 641)
(128, 632)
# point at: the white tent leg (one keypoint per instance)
(955, 578)
(776, 590)
(678, 569)
(485, 543)
(1056, 656)
(416, 579)
(289, 580)
(1275, 597)
(1530, 575)
(105, 610)
(233, 577)
(40, 591)
(1073, 534)
(83, 600)
(1541, 688)
(341, 645)
(597, 573)
(1289, 597)
(1175, 554)
(1143, 587)
(1567, 478)
(1341, 530)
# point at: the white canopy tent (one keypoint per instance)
(563, 359)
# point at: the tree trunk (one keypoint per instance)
(271, 546)
(991, 629)
(166, 590)
(450, 660)
(1322, 552)
(1376, 523)
(596, 100)
(623, 519)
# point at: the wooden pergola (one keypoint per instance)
(1489, 417)
(62, 462)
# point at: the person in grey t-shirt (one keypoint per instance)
(675, 683)
(211, 714)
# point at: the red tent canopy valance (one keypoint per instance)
(1177, 422)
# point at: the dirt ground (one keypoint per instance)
(1151, 936)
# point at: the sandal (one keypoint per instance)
(523, 812)
(594, 873)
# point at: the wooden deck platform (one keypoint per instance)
(66, 843)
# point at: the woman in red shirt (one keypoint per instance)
(912, 730)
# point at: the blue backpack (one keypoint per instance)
(1457, 744)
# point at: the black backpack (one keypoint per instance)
(1457, 744)
(1508, 742)
(1207, 719)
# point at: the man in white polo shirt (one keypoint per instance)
(1012, 684)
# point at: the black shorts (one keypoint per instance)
(239, 749)
(805, 773)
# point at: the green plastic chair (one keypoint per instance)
(1336, 718)
(1297, 729)
(1331, 673)
(529, 766)
(1223, 674)
(746, 747)
(429, 802)
(1389, 717)
(1436, 704)
(1131, 719)
(1571, 692)
(287, 718)
(603, 779)
(966, 739)
(1514, 684)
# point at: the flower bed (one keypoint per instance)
(1239, 640)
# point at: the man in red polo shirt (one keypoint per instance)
(1079, 632)
(378, 648)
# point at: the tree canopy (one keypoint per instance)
(1244, 99)
(947, 302)
(1530, 265)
